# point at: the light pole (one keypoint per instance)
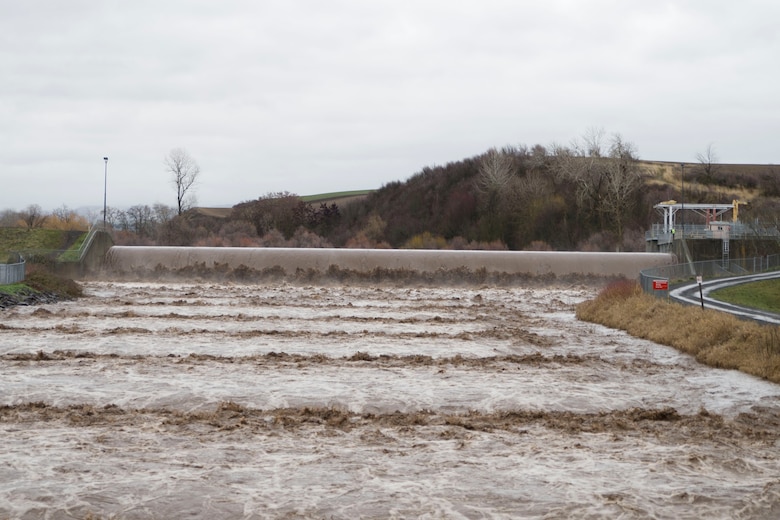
(105, 185)
(682, 195)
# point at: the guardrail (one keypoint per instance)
(708, 270)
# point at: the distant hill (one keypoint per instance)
(340, 198)
(538, 209)
(541, 209)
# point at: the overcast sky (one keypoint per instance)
(312, 96)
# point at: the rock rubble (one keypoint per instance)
(27, 298)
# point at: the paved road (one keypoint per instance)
(690, 294)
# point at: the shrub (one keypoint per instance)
(274, 238)
(620, 290)
(305, 238)
(425, 241)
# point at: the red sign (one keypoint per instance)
(661, 285)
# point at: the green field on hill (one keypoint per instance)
(335, 195)
(764, 295)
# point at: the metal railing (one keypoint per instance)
(733, 231)
(89, 239)
(12, 273)
(709, 269)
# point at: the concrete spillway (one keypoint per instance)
(137, 259)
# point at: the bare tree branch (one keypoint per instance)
(184, 174)
(623, 181)
(606, 181)
(495, 171)
(33, 216)
(708, 163)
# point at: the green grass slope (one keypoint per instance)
(763, 295)
(21, 239)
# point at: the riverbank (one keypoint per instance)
(26, 297)
(714, 338)
(40, 286)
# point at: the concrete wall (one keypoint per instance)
(123, 259)
(96, 251)
(92, 258)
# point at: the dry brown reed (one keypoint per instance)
(714, 338)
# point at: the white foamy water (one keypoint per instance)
(115, 375)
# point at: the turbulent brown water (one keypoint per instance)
(148, 400)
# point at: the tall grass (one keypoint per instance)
(714, 338)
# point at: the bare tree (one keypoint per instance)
(119, 220)
(606, 178)
(33, 216)
(115, 217)
(592, 142)
(141, 220)
(496, 169)
(9, 218)
(496, 177)
(66, 218)
(582, 165)
(708, 160)
(623, 182)
(184, 174)
(537, 158)
(64, 214)
(163, 213)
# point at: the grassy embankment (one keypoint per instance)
(764, 295)
(21, 239)
(714, 338)
(39, 279)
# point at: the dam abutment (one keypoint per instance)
(247, 263)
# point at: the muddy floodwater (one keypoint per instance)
(148, 400)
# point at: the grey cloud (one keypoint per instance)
(312, 96)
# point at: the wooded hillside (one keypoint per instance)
(589, 196)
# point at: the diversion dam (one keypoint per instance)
(243, 262)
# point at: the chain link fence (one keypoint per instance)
(708, 270)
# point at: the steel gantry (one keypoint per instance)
(710, 212)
